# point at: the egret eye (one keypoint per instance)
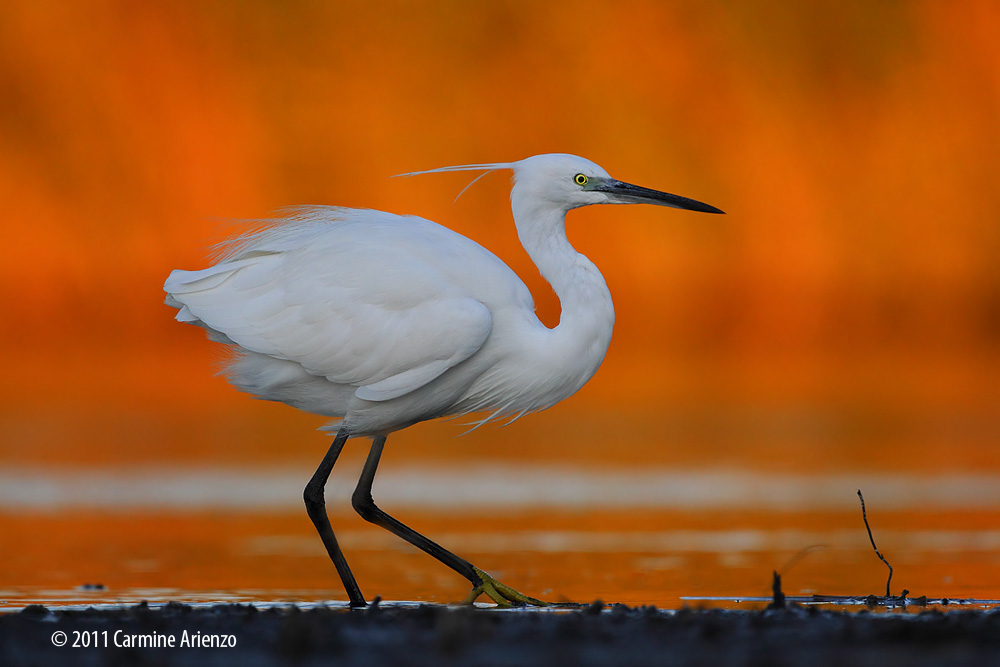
(580, 179)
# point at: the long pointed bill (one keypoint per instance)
(625, 193)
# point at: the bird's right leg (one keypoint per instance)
(482, 583)
(316, 508)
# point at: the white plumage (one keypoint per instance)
(386, 320)
(333, 307)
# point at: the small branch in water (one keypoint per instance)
(864, 515)
(777, 595)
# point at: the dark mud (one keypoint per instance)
(433, 635)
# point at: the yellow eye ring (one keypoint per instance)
(580, 179)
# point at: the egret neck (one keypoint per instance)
(587, 314)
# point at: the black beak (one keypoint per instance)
(626, 193)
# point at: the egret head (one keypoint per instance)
(570, 182)
(563, 181)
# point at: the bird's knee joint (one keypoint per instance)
(364, 505)
(313, 497)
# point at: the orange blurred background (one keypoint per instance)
(855, 147)
(845, 314)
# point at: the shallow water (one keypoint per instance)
(637, 536)
(667, 510)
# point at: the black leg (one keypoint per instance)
(316, 508)
(365, 506)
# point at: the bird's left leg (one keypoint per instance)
(482, 583)
(315, 500)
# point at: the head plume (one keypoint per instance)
(486, 168)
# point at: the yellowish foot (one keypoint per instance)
(501, 593)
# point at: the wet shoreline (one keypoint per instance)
(180, 634)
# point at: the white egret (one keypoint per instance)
(384, 320)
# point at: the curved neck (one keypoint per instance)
(587, 314)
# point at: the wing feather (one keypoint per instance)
(361, 303)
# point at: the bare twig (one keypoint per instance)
(864, 515)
